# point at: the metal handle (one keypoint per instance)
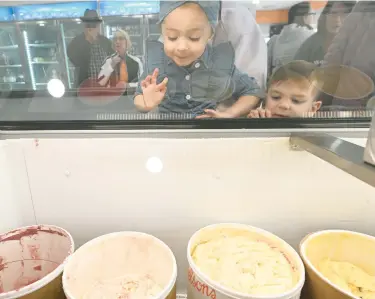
(342, 154)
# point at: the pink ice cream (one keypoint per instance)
(123, 265)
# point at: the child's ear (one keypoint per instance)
(316, 106)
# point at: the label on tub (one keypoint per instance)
(198, 289)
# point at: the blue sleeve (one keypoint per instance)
(154, 55)
(244, 85)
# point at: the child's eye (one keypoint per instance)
(297, 102)
(172, 39)
(195, 39)
(276, 98)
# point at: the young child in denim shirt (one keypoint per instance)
(293, 91)
(185, 73)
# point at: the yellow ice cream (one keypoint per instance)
(240, 261)
(349, 277)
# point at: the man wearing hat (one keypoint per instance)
(88, 50)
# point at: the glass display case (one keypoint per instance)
(46, 31)
(14, 73)
(44, 52)
(94, 159)
(153, 27)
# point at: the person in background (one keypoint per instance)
(120, 67)
(293, 92)
(354, 46)
(329, 23)
(88, 50)
(185, 74)
(242, 30)
(282, 48)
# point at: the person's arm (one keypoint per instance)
(75, 50)
(242, 106)
(105, 72)
(247, 94)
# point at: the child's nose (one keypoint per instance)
(182, 45)
(284, 104)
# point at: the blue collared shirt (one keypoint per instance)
(209, 80)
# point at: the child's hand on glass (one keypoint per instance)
(260, 113)
(153, 93)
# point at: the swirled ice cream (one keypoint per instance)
(240, 260)
(349, 278)
(122, 266)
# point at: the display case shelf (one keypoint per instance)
(12, 47)
(11, 66)
(44, 62)
(49, 45)
(21, 83)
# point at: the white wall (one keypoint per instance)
(96, 186)
(10, 215)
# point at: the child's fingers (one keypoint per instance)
(262, 113)
(154, 76)
(162, 85)
(146, 82)
(268, 114)
(253, 114)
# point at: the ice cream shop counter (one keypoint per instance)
(97, 210)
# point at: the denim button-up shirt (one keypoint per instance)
(209, 80)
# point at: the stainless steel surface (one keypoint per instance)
(369, 155)
(342, 154)
(182, 133)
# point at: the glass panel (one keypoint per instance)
(215, 59)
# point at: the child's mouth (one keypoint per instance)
(279, 116)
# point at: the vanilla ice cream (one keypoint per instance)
(243, 261)
(120, 266)
(349, 278)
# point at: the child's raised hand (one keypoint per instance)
(260, 113)
(153, 93)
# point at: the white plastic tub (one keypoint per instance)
(200, 286)
(108, 266)
(32, 260)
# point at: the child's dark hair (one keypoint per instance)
(297, 70)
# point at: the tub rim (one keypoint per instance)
(26, 290)
(173, 278)
(239, 295)
(308, 264)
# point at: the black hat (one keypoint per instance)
(91, 16)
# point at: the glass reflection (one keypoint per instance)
(183, 60)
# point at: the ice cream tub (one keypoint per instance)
(32, 260)
(121, 265)
(229, 260)
(339, 264)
